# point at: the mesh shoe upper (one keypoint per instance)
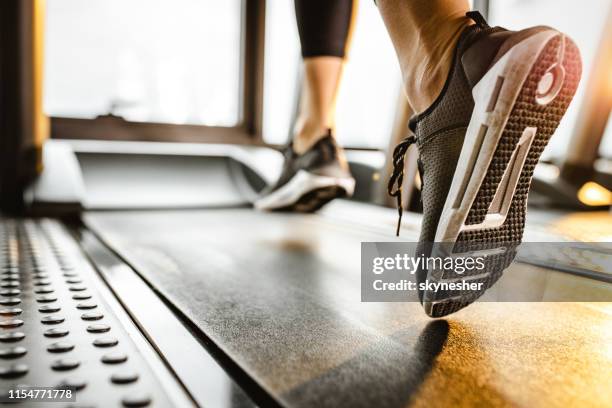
(440, 131)
(324, 158)
(439, 134)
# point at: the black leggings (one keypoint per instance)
(324, 26)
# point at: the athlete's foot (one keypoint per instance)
(309, 180)
(479, 143)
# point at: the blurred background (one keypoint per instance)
(207, 72)
(134, 137)
(180, 62)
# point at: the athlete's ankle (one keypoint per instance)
(307, 133)
(425, 77)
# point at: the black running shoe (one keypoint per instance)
(310, 180)
(478, 146)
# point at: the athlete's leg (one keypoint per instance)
(315, 169)
(325, 28)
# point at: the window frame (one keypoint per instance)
(247, 131)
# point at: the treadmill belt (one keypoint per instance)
(280, 295)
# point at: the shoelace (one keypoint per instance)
(394, 188)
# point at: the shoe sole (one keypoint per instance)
(518, 106)
(307, 192)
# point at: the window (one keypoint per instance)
(581, 22)
(370, 87)
(165, 61)
(282, 58)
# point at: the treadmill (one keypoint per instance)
(137, 274)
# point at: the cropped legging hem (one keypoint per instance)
(324, 26)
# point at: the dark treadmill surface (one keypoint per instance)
(280, 294)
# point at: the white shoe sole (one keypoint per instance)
(303, 184)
